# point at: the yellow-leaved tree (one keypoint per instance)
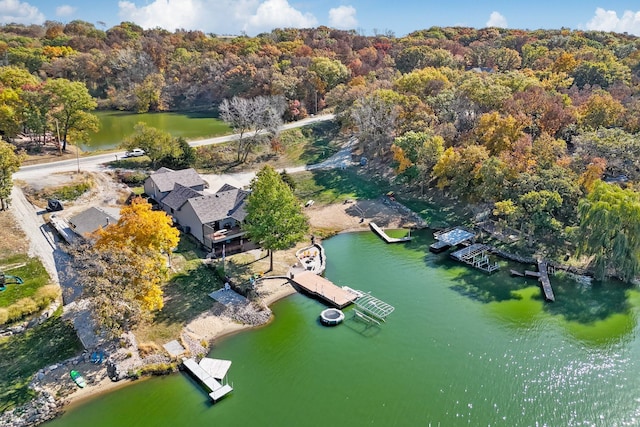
(124, 269)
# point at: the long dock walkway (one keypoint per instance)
(544, 280)
(324, 289)
(380, 232)
(217, 390)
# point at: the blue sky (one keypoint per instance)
(366, 16)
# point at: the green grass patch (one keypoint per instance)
(21, 356)
(135, 163)
(72, 192)
(33, 273)
(334, 186)
(311, 144)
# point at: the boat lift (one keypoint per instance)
(372, 310)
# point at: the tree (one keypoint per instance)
(274, 215)
(71, 105)
(124, 269)
(157, 144)
(609, 230)
(9, 164)
(375, 120)
(262, 114)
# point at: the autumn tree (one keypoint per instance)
(9, 164)
(122, 272)
(609, 230)
(274, 215)
(374, 118)
(252, 119)
(71, 105)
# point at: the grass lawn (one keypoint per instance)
(28, 269)
(334, 186)
(21, 356)
(311, 144)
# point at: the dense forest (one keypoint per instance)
(540, 126)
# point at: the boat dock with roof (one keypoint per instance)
(371, 309)
(450, 238)
(210, 372)
(380, 232)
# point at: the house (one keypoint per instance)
(212, 218)
(163, 181)
(174, 201)
(89, 221)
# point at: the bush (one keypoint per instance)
(26, 306)
(72, 192)
(46, 294)
(133, 179)
(21, 308)
(158, 369)
(4, 316)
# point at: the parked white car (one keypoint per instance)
(136, 152)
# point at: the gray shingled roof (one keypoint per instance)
(92, 219)
(179, 196)
(221, 205)
(165, 179)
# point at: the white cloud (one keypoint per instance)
(15, 11)
(65, 10)
(278, 14)
(608, 20)
(216, 16)
(497, 20)
(343, 17)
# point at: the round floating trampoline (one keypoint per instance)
(331, 316)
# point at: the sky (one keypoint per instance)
(368, 17)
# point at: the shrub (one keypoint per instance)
(72, 192)
(133, 179)
(21, 308)
(158, 369)
(46, 294)
(4, 316)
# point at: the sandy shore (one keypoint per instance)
(211, 325)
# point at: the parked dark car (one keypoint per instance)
(54, 205)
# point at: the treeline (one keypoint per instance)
(525, 122)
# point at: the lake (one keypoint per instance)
(117, 125)
(461, 348)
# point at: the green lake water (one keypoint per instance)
(461, 349)
(117, 125)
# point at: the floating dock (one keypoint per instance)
(324, 289)
(477, 256)
(207, 371)
(380, 232)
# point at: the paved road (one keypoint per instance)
(97, 163)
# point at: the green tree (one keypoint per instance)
(157, 144)
(274, 215)
(9, 164)
(71, 105)
(610, 231)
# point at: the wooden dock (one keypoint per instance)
(324, 289)
(544, 280)
(380, 232)
(218, 390)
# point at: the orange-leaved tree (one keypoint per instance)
(126, 267)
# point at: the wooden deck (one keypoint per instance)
(380, 232)
(324, 289)
(217, 390)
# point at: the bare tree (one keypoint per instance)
(257, 117)
(375, 119)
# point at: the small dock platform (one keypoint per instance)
(477, 256)
(380, 232)
(324, 289)
(206, 377)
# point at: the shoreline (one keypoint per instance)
(219, 327)
(211, 326)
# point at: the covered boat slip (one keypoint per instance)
(451, 237)
(208, 372)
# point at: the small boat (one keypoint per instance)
(78, 379)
